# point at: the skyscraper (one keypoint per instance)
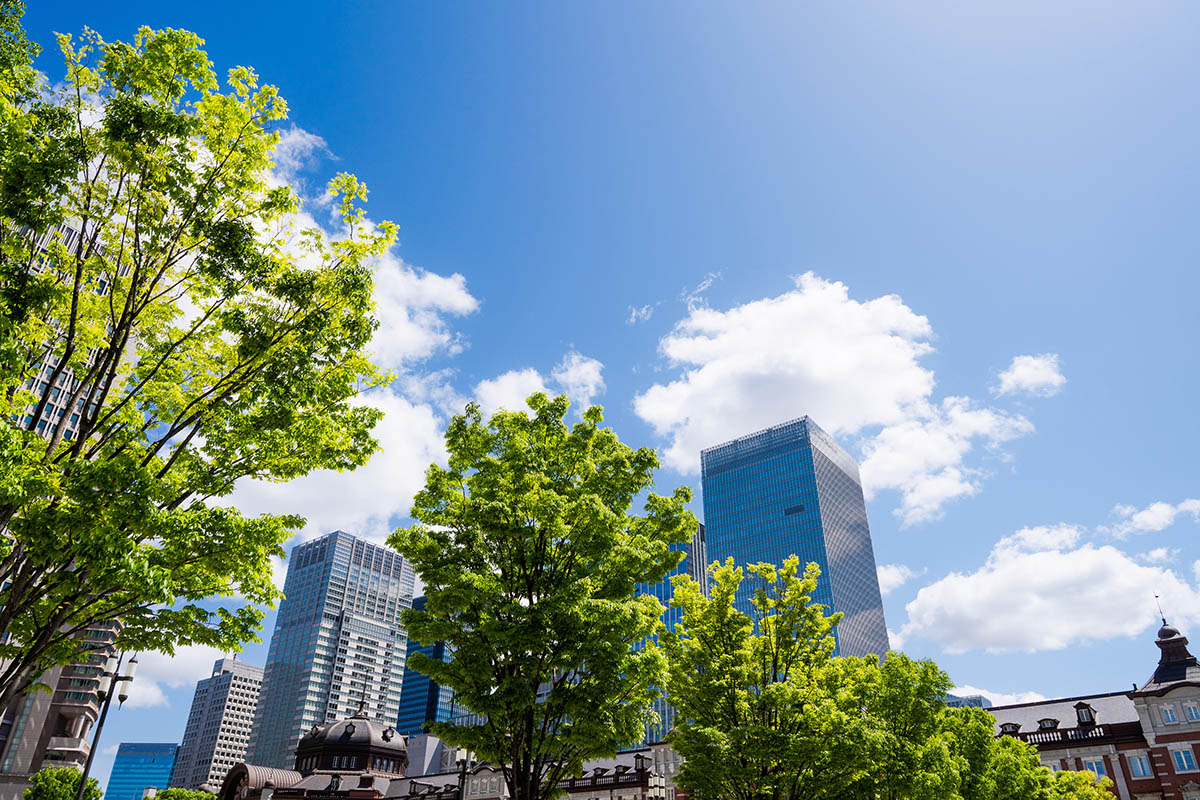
(219, 724)
(138, 766)
(421, 700)
(791, 489)
(338, 643)
(695, 565)
(42, 728)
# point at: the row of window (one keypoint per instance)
(1190, 710)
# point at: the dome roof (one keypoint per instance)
(352, 733)
(1167, 631)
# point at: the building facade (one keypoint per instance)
(139, 766)
(792, 490)
(337, 643)
(218, 725)
(1146, 740)
(366, 759)
(421, 700)
(53, 728)
(694, 565)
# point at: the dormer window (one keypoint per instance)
(1087, 716)
(1047, 724)
(1010, 728)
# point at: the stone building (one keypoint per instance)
(366, 758)
(1146, 740)
(53, 729)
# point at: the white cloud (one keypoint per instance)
(893, 576)
(923, 457)
(297, 151)
(1151, 519)
(694, 298)
(854, 367)
(639, 314)
(1038, 590)
(1159, 555)
(582, 378)
(999, 698)
(158, 670)
(1036, 375)
(508, 390)
(1041, 537)
(578, 376)
(363, 501)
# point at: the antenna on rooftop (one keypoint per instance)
(1160, 611)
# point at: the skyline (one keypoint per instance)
(960, 193)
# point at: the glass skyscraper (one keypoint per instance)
(695, 565)
(791, 489)
(421, 700)
(137, 767)
(338, 643)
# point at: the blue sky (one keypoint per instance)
(859, 212)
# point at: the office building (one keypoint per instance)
(54, 728)
(694, 565)
(967, 701)
(138, 767)
(219, 724)
(338, 644)
(421, 700)
(792, 490)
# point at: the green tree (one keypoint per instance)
(901, 700)
(152, 267)
(759, 716)
(60, 783)
(178, 793)
(530, 561)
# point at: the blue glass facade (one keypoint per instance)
(138, 766)
(791, 489)
(421, 700)
(338, 643)
(694, 564)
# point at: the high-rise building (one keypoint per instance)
(139, 766)
(694, 565)
(791, 489)
(338, 644)
(219, 724)
(53, 729)
(421, 700)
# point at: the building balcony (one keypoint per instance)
(68, 747)
(1061, 737)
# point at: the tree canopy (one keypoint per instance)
(166, 330)
(766, 712)
(60, 783)
(530, 562)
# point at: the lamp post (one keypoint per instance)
(104, 692)
(462, 758)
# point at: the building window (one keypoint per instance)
(1192, 711)
(1085, 715)
(1139, 767)
(1168, 714)
(1009, 728)
(1096, 767)
(1047, 724)
(1184, 760)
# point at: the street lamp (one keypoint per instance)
(104, 693)
(462, 758)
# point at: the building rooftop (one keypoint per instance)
(1107, 709)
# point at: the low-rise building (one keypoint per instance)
(1146, 740)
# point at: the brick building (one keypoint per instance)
(1146, 740)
